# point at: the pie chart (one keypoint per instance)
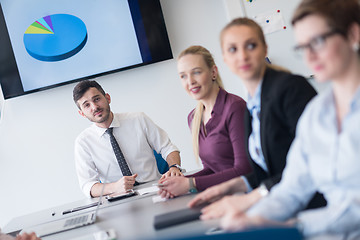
(55, 37)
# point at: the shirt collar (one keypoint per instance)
(101, 131)
(329, 100)
(255, 101)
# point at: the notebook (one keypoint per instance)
(68, 223)
(177, 217)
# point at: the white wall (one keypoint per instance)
(37, 131)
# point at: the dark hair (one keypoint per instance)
(339, 14)
(81, 88)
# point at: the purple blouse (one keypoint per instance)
(222, 149)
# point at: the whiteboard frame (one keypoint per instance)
(234, 9)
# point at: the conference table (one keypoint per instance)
(131, 218)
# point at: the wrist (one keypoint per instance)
(176, 166)
(192, 187)
(237, 185)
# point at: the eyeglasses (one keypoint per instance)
(315, 45)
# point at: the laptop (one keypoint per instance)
(66, 224)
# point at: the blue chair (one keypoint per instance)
(162, 165)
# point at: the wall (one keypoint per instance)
(37, 131)
(280, 43)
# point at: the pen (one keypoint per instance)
(80, 208)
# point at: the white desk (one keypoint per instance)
(131, 218)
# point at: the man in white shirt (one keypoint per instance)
(136, 135)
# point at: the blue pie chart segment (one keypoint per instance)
(55, 37)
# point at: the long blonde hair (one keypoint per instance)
(198, 112)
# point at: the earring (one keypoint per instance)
(356, 47)
(214, 78)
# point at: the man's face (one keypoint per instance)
(95, 106)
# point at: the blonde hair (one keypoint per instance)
(243, 21)
(198, 112)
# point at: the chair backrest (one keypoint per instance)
(162, 165)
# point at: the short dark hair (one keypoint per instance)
(338, 14)
(81, 88)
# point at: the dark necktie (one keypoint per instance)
(119, 155)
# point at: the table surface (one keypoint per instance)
(131, 218)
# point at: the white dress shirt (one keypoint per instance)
(136, 135)
(323, 159)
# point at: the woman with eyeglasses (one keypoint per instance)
(276, 99)
(325, 155)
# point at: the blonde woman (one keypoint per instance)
(216, 125)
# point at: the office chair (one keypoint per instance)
(162, 165)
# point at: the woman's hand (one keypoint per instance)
(174, 186)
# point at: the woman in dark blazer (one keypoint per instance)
(283, 99)
(276, 99)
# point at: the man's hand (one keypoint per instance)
(125, 183)
(173, 172)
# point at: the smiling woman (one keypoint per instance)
(216, 125)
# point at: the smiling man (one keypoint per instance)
(124, 140)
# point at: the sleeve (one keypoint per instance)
(235, 125)
(157, 137)
(295, 189)
(85, 168)
(205, 171)
(339, 219)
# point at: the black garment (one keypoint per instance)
(283, 99)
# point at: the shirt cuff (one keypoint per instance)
(248, 187)
(87, 188)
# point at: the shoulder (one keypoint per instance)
(131, 117)
(284, 79)
(278, 83)
(234, 99)
(314, 109)
(233, 103)
(86, 134)
(191, 116)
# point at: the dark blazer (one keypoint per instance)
(283, 99)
